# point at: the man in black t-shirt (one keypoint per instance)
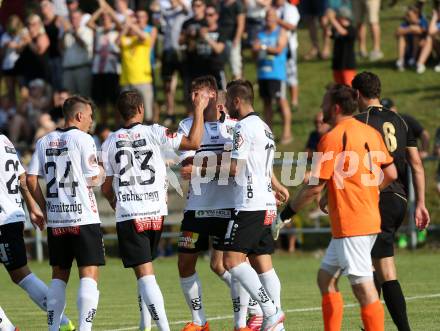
(189, 37)
(232, 24)
(402, 146)
(417, 129)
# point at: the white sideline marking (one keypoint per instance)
(288, 311)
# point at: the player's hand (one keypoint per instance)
(282, 194)
(185, 172)
(38, 220)
(421, 216)
(200, 99)
(323, 204)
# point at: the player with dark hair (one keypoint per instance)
(402, 146)
(349, 191)
(135, 186)
(66, 160)
(249, 230)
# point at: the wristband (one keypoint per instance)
(287, 213)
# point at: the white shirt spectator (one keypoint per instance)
(75, 54)
(255, 10)
(290, 14)
(172, 21)
(106, 54)
(11, 55)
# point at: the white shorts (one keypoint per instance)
(350, 256)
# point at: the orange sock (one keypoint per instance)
(332, 310)
(373, 316)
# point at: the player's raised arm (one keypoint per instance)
(200, 99)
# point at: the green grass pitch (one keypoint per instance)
(419, 274)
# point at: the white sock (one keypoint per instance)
(272, 284)
(37, 291)
(145, 320)
(87, 302)
(192, 289)
(254, 308)
(56, 302)
(226, 277)
(153, 298)
(5, 323)
(240, 300)
(248, 278)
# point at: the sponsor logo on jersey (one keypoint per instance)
(187, 239)
(132, 144)
(10, 150)
(269, 135)
(213, 126)
(213, 213)
(56, 151)
(215, 137)
(148, 224)
(238, 140)
(75, 230)
(57, 143)
(270, 216)
(64, 207)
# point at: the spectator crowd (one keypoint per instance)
(59, 50)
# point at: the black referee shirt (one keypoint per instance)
(397, 137)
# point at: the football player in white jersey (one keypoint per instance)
(5, 323)
(136, 187)
(249, 231)
(208, 208)
(66, 160)
(12, 217)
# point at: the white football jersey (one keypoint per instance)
(65, 158)
(217, 139)
(255, 146)
(11, 204)
(134, 157)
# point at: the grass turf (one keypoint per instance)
(419, 275)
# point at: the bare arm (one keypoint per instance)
(335, 24)
(36, 192)
(306, 195)
(107, 191)
(389, 176)
(92, 21)
(216, 46)
(282, 43)
(241, 21)
(425, 143)
(41, 44)
(36, 216)
(418, 173)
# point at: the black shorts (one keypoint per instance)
(83, 243)
(171, 64)
(12, 248)
(392, 212)
(313, 7)
(250, 232)
(105, 89)
(198, 225)
(271, 89)
(138, 245)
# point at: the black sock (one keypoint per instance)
(377, 283)
(395, 301)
